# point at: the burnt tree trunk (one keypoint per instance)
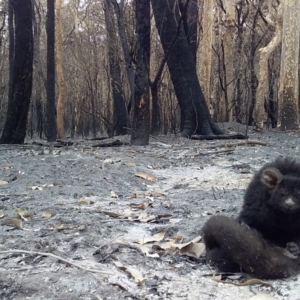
(181, 63)
(141, 108)
(156, 118)
(155, 125)
(120, 111)
(128, 55)
(11, 49)
(189, 13)
(37, 30)
(50, 106)
(14, 131)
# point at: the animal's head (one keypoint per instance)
(284, 190)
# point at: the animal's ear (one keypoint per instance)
(271, 177)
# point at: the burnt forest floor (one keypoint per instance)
(117, 216)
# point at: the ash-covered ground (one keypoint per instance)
(92, 205)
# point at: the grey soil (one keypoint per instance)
(67, 191)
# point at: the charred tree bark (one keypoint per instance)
(253, 82)
(50, 107)
(155, 125)
(189, 12)
(271, 106)
(37, 63)
(156, 118)
(119, 10)
(120, 111)
(11, 49)
(14, 131)
(181, 63)
(141, 108)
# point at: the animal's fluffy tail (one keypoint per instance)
(233, 247)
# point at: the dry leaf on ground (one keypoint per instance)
(136, 274)
(180, 246)
(59, 227)
(157, 194)
(145, 250)
(154, 238)
(12, 222)
(146, 176)
(112, 214)
(46, 214)
(193, 250)
(143, 205)
(130, 215)
(85, 202)
(113, 194)
(23, 214)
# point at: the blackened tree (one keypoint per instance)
(189, 15)
(195, 117)
(37, 100)
(20, 86)
(50, 111)
(119, 7)
(120, 122)
(141, 109)
(11, 50)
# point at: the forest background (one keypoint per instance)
(113, 67)
(102, 68)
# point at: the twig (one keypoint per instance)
(230, 147)
(214, 152)
(115, 143)
(226, 145)
(164, 145)
(219, 137)
(13, 195)
(7, 160)
(56, 257)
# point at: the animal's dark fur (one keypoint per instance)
(272, 202)
(233, 247)
(270, 218)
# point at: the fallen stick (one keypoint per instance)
(56, 257)
(13, 195)
(214, 152)
(227, 145)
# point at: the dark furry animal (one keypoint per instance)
(272, 202)
(269, 222)
(233, 247)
